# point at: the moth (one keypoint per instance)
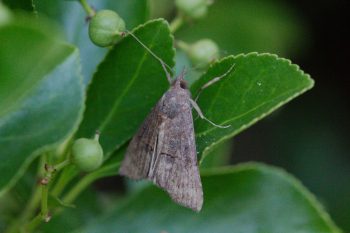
(164, 149)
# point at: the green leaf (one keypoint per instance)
(45, 118)
(249, 198)
(258, 84)
(72, 18)
(29, 49)
(127, 84)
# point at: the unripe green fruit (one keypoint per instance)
(203, 52)
(105, 28)
(193, 8)
(87, 154)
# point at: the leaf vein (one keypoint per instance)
(126, 90)
(247, 112)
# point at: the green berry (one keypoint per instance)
(195, 9)
(105, 28)
(203, 52)
(87, 154)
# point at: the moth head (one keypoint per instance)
(180, 80)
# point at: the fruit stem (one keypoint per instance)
(88, 9)
(44, 207)
(183, 46)
(97, 135)
(87, 180)
(78, 188)
(65, 177)
(34, 223)
(44, 215)
(61, 165)
(176, 23)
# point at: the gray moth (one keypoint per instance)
(164, 149)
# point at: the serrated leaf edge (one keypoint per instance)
(208, 148)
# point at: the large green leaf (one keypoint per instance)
(127, 85)
(29, 49)
(249, 198)
(46, 117)
(258, 84)
(71, 16)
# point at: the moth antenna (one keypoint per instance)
(198, 110)
(214, 80)
(183, 72)
(164, 65)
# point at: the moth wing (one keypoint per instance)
(137, 160)
(164, 151)
(175, 167)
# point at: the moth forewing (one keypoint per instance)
(164, 149)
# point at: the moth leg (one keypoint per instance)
(214, 80)
(196, 107)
